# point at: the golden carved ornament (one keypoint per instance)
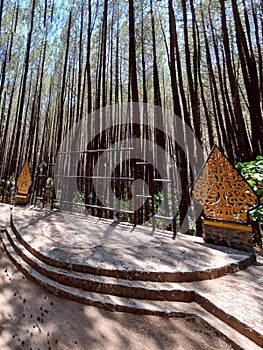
(223, 193)
(24, 180)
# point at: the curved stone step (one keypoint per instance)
(109, 302)
(239, 260)
(116, 303)
(101, 284)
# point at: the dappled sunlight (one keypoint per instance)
(162, 333)
(108, 110)
(86, 242)
(35, 319)
(24, 309)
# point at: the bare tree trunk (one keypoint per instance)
(191, 83)
(78, 115)
(181, 156)
(259, 48)
(17, 140)
(214, 85)
(250, 75)
(242, 134)
(63, 88)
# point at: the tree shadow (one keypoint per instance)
(34, 319)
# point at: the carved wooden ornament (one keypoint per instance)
(223, 193)
(24, 180)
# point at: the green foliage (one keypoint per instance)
(253, 173)
(50, 181)
(8, 189)
(158, 198)
(42, 164)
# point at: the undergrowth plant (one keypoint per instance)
(253, 173)
(8, 190)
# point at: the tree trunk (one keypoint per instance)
(63, 88)
(14, 161)
(242, 134)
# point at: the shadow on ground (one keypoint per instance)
(30, 318)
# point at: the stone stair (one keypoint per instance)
(182, 301)
(172, 299)
(93, 282)
(134, 272)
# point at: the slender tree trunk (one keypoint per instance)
(250, 75)
(259, 48)
(17, 140)
(1, 13)
(192, 77)
(184, 201)
(63, 88)
(214, 86)
(104, 53)
(88, 70)
(232, 146)
(132, 56)
(242, 134)
(78, 117)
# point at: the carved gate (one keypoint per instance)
(226, 198)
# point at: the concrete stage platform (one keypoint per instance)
(107, 248)
(121, 268)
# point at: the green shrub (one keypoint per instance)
(8, 190)
(253, 174)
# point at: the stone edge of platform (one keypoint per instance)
(236, 333)
(152, 276)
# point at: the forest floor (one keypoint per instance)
(31, 318)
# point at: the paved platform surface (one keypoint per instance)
(239, 295)
(108, 245)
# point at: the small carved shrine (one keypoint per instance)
(226, 198)
(23, 183)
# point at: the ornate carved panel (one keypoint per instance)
(223, 193)
(24, 180)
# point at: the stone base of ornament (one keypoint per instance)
(22, 199)
(232, 235)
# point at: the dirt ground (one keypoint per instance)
(30, 318)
